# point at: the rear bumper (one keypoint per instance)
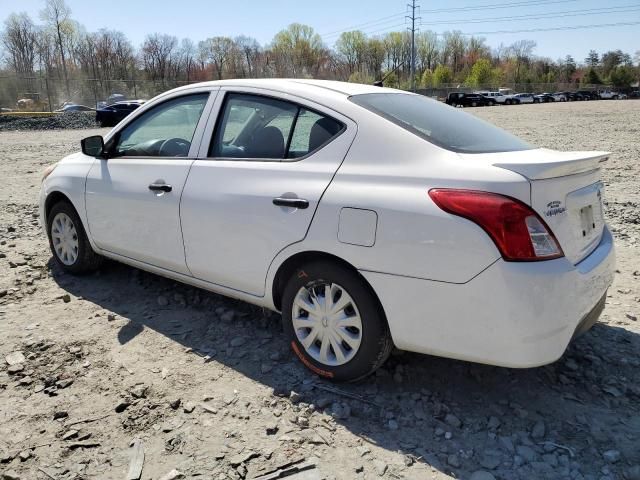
(512, 314)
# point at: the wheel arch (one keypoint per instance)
(54, 197)
(288, 267)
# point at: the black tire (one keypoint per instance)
(87, 260)
(376, 343)
(474, 104)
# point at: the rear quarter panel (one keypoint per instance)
(390, 171)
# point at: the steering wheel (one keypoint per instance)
(174, 147)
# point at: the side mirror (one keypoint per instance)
(93, 146)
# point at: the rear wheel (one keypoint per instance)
(68, 241)
(334, 322)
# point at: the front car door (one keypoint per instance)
(133, 197)
(257, 187)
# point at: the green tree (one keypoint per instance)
(593, 59)
(592, 77)
(622, 76)
(481, 74)
(568, 68)
(297, 50)
(352, 47)
(426, 81)
(359, 77)
(442, 75)
(391, 80)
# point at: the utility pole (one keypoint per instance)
(413, 19)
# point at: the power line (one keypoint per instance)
(569, 13)
(347, 29)
(552, 29)
(386, 29)
(382, 23)
(493, 6)
(382, 26)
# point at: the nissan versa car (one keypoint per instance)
(370, 217)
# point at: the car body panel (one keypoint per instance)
(128, 219)
(229, 204)
(515, 315)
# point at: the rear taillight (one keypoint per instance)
(518, 232)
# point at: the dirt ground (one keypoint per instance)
(124, 364)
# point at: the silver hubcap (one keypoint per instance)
(65, 238)
(327, 323)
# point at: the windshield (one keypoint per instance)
(440, 124)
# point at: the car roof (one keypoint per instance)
(312, 89)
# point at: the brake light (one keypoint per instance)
(517, 231)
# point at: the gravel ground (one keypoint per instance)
(67, 120)
(123, 364)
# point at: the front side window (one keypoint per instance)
(440, 124)
(256, 127)
(164, 131)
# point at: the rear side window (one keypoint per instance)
(440, 124)
(256, 127)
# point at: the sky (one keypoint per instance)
(262, 19)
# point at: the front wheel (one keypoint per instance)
(334, 322)
(68, 241)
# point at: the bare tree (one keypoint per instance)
(521, 51)
(250, 50)
(157, 55)
(56, 14)
(219, 50)
(20, 40)
(453, 49)
(187, 58)
(427, 50)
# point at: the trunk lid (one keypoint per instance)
(566, 191)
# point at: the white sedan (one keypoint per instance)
(370, 217)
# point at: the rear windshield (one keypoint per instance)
(440, 124)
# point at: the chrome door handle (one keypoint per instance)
(291, 202)
(160, 187)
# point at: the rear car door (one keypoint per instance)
(133, 197)
(257, 187)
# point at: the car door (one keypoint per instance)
(133, 197)
(257, 187)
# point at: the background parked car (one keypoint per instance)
(589, 94)
(545, 98)
(635, 94)
(608, 95)
(74, 108)
(460, 99)
(525, 98)
(111, 115)
(572, 96)
(500, 97)
(559, 97)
